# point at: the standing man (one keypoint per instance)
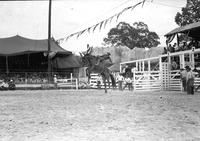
(183, 74)
(128, 82)
(190, 80)
(120, 80)
(55, 81)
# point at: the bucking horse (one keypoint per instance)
(98, 64)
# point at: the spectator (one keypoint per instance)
(165, 50)
(174, 47)
(11, 85)
(169, 48)
(3, 85)
(128, 82)
(193, 44)
(183, 74)
(174, 65)
(120, 80)
(190, 80)
(55, 81)
(184, 47)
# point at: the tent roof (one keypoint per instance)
(19, 45)
(191, 29)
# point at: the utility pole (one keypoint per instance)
(49, 42)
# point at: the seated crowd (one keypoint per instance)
(181, 47)
(28, 78)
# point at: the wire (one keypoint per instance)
(104, 22)
(164, 4)
(158, 3)
(109, 19)
(105, 13)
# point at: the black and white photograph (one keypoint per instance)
(99, 70)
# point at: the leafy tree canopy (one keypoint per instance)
(137, 35)
(189, 14)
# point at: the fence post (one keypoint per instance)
(181, 85)
(134, 80)
(161, 73)
(76, 84)
(71, 80)
(26, 80)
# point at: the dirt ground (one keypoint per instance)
(92, 115)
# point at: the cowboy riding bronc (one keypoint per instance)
(99, 58)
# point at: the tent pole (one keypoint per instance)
(28, 61)
(49, 42)
(7, 71)
(178, 42)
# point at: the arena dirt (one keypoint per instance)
(92, 115)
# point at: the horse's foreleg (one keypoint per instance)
(104, 81)
(88, 79)
(107, 78)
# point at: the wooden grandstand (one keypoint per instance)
(163, 72)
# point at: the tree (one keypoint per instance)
(189, 14)
(137, 35)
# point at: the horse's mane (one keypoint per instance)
(91, 59)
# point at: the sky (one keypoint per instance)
(30, 19)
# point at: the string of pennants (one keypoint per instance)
(102, 23)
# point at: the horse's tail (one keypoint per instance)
(113, 80)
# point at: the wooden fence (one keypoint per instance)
(67, 83)
(153, 81)
(93, 81)
(197, 83)
(146, 80)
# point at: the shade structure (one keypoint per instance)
(192, 30)
(18, 45)
(20, 53)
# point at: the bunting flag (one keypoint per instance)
(102, 23)
(170, 39)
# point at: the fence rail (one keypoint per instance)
(69, 83)
(143, 80)
(40, 80)
(93, 81)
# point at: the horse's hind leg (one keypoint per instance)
(108, 80)
(108, 83)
